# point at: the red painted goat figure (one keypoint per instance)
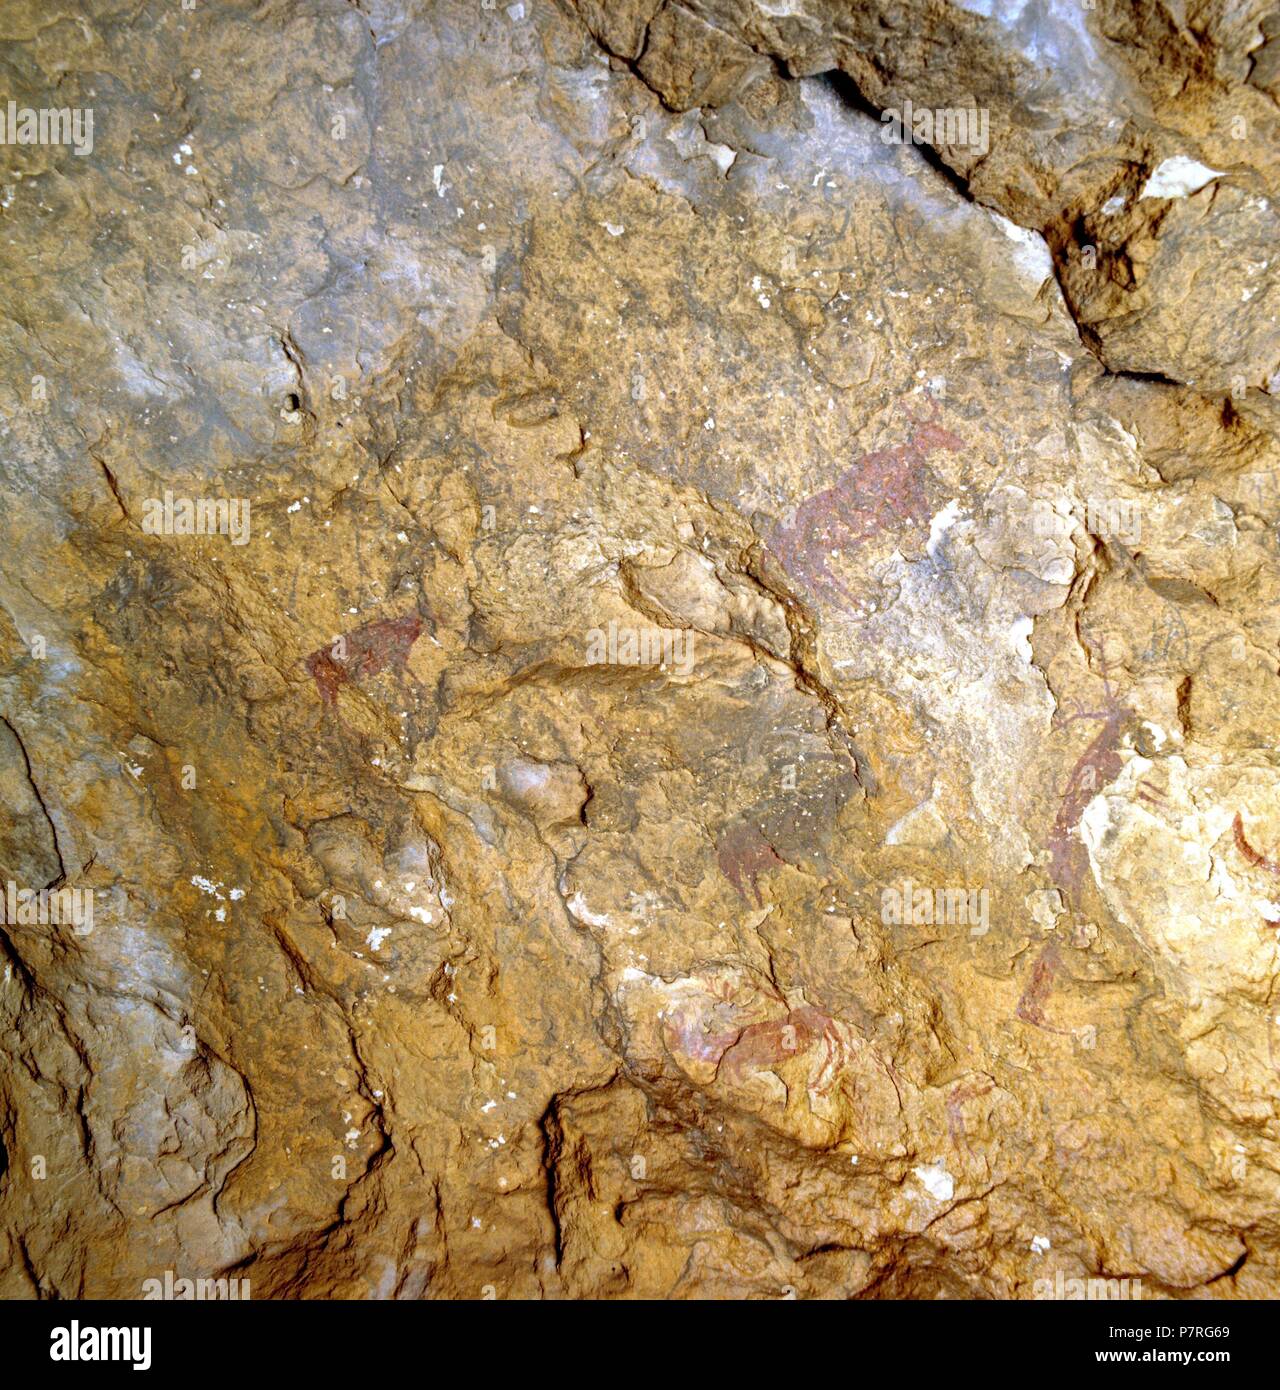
(879, 492)
(363, 652)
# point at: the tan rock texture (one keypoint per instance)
(624, 687)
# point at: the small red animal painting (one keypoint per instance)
(879, 492)
(739, 1052)
(363, 652)
(743, 854)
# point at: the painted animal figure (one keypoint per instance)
(879, 491)
(743, 854)
(761, 1046)
(363, 652)
(738, 1051)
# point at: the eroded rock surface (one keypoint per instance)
(723, 741)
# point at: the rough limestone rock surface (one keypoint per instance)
(627, 671)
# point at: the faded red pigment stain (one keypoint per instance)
(743, 854)
(1099, 765)
(877, 493)
(1258, 861)
(955, 1110)
(1096, 767)
(370, 648)
(1036, 995)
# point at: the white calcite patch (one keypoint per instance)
(1177, 177)
(941, 523)
(1021, 634)
(1031, 256)
(923, 827)
(578, 908)
(936, 1181)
